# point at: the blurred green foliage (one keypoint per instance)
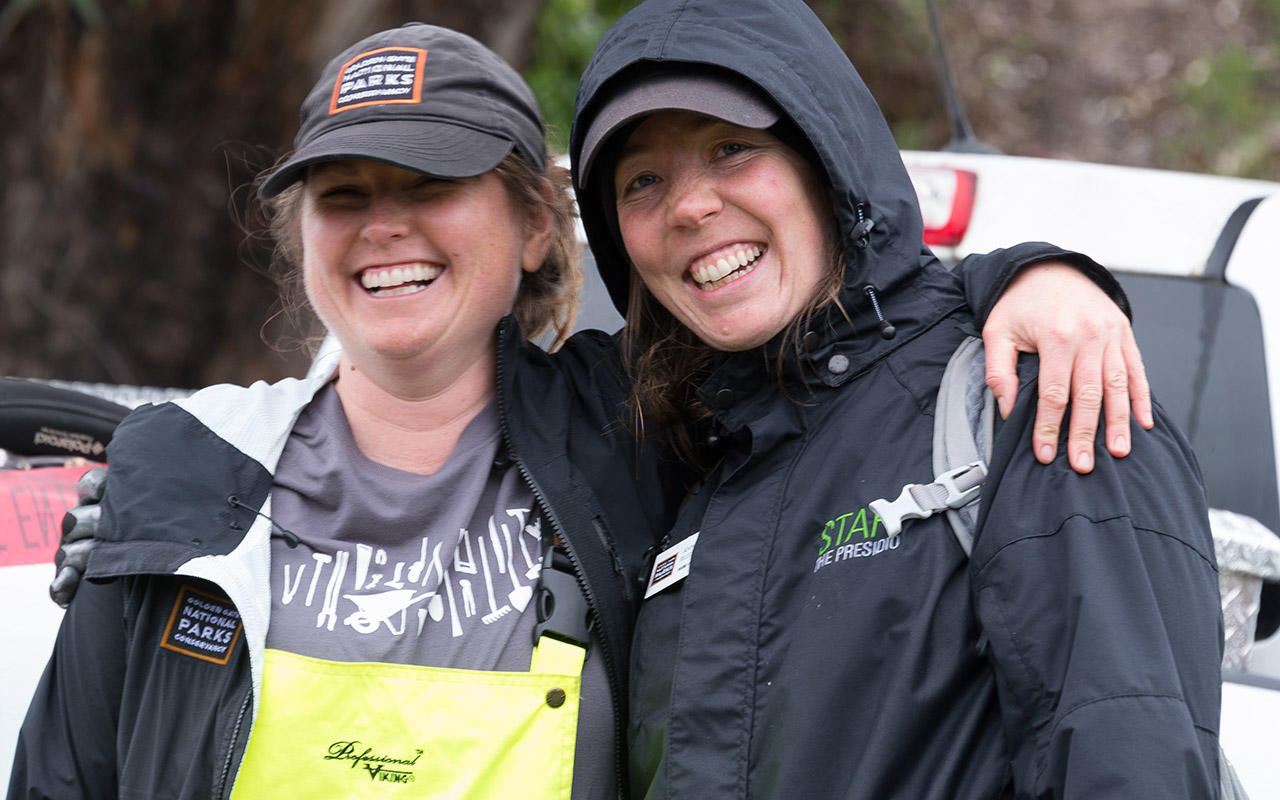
(567, 32)
(1231, 99)
(1231, 80)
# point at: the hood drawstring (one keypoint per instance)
(886, 328)
(290, 538)
(862, 231)
(861, 240)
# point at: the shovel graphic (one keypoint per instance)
(520, 595)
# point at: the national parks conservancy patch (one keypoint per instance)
(202, 626)
(378, 77)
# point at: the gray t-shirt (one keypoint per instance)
(435, 570)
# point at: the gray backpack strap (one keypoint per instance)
(959, 457)
(964, 426)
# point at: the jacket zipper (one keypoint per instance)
(223, 789)
(619, 724)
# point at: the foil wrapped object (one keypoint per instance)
(1248, 553)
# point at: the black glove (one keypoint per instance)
(79, 525)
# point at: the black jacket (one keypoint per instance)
(806, 655)
(117, 714)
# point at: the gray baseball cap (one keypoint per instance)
(680, 87)
(421, 97)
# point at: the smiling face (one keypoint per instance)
(404, 267)
(728, 227)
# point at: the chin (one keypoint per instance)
(731, 340)
(396, 350)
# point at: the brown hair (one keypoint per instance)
(667, 362)
(547, 298)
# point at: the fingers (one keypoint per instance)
(79, 526)
(1051, 405)
(1002, 370)
(71, 559)
(1139, 389)
(89, 487)
(1115, 376)
(1086, 404)
(80, 522)
(1100, 382)
(64, 585)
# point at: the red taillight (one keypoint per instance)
(946, 202)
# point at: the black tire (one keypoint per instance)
(37, 419)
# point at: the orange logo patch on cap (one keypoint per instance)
(379, 77)
(202, 626)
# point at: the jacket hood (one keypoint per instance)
(782, 47)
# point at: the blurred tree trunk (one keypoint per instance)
(128, 145)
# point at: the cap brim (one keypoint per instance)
(709, 95)
(441, 149)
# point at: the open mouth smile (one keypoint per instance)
(398, 280)
(725, 266)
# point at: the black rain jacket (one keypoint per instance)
(1076, 654)
(120, 714)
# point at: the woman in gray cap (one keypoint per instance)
(419, 565)
(748, 208)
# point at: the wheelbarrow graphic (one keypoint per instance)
(373, 610)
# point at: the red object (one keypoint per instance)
(946, 202)
(32, 502)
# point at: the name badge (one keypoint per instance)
(671, 566)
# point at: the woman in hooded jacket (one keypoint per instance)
(787, 330)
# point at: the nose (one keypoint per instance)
(694, 201)
(387, 220)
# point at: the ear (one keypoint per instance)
(539, 227)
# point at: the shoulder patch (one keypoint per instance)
(202, 626)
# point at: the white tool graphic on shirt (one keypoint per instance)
(376, 609)
(533, 567)
(520, 595)
(495, 613)
(328, 615)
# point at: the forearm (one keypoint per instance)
(986, 275)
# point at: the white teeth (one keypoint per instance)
(730, 278)
(730, 267)
(402, 279)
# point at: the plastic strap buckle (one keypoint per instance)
(562, 608)
(954, 488)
